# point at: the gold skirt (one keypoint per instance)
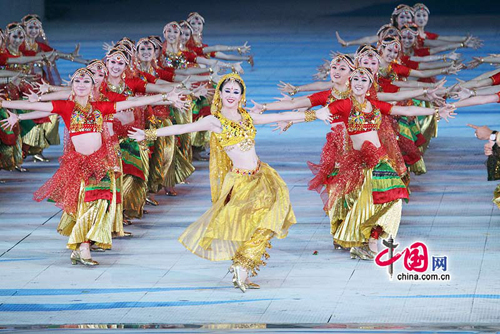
(134, 190)
(247, 203)
(360, 215)
(161, 159)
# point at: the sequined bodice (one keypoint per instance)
(240, 133)
(360, 121)
(85, 119)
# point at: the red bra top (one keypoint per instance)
(357, 121)
(80, 120)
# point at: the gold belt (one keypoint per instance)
(242, 171)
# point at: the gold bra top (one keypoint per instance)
(240, 133)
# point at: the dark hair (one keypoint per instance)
(232, 79)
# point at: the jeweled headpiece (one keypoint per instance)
(401, 8)
(367, 51)
(420, 6)
(81, 73)
(173, 23)
(362, 71)
(14, 26)
(389, 41)
(143, 40)
(31, 17)
(411, 27)
(118, 55)
(156, 40)
(98, 65)
(344, 57)
(186, 24)
(193, 15)
(217, 101)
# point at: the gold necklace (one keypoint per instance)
(342, 95)
(117, 89)
(13, 52)
(83, 109)
(359, 106)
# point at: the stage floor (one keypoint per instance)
(152, 279)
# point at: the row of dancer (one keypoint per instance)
(99, 198)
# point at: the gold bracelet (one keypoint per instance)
(288, 126)
(425, 91)
(462, 45)
(438, 117)
(150, 134)
(310, 115)
(239, 51)
(210, 70)
(294, 91)
(164, 97)
(264, 108)
(481, 60)
(474, 92)
(444, 58)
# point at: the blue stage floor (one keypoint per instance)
(152, 279)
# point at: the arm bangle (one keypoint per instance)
(310, 115)
(164, 97)
(150, 134)
(438, 117)
(264, 108)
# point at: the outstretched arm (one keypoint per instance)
(445, 111)
(315, 86)
(477, 100)
(322, 114)
(295, 103)
(359, 41)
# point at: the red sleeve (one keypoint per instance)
(136, 85)
(340, 107)
(166, 74)
(431, 35)
(115, 97)
(498, 97)
(190, 56)
(44, 47)
(28, 53)
(409, 63)
(149, 77)
(422, 52)
(319, 99)
(3, 59)
(197, 50)
(384, 107)
(496, 79)
(106, 108)
(401, 70)
(63, 108)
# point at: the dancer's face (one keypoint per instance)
(172, 34)
(16, 38)
(407, 39)
(390, 52)
(360, 83)
(146, 51)
(231, 94)
(99, 74)
(197, 24)
(421, 18)
(82, 86)
(33, 29)
(115, 67)
(185, 35)
(370, 62)
(339, 72)
(404, 18)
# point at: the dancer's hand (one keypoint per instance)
(447, 111)
(200, 91)
(137, 134)
(482, 132)
(287, 88)
(340, 40)
(237, 68)
(43, 88)
(32, 96)
(257, 108)
(76, 52)
(488, 148)
(475, 62)
(283, 97)
(432, 93)
(282, 126)
(245, 48)
(325, 115)
(462, 93)
(453, 56)
(177, 99)
(10, 122)
(454, 69)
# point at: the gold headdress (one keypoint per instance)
(98, 65)
(411, 27)
(420, 6)
(143, 40)
(82, 72)
(118, 55)
(173, 23)
(14, 26)
(363, 71)
(220, 164)
(389, 41)
(369, 52)
(343, 57)
(193, 15)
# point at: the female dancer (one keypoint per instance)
(251, 204)
(365, 178)
(84, 186)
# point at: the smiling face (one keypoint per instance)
(16, 38)
(33, 29)
(185, 34)
(172, 33)
(421, 18)
(407, 39)
(82, 85)
(403, 18)
(390, 52)
(146, 51)
(339, 72)
(99, 74)
(360, 83)
(370, 62)
(231, 94)
(197, 24)
(115, 66)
